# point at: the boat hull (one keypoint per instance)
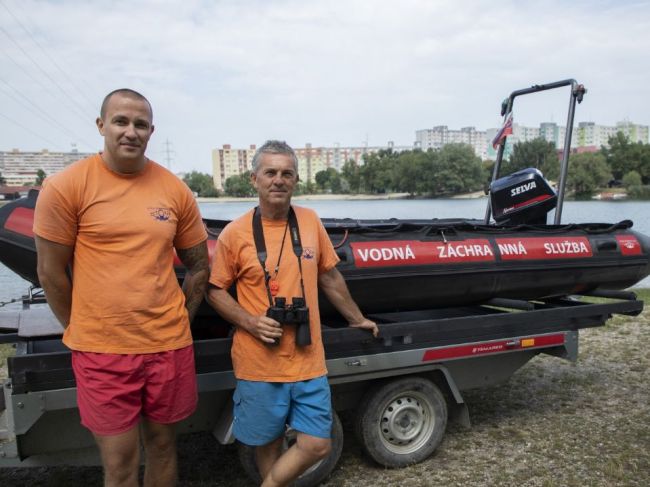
(398, 265)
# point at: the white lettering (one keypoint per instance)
(464, 250)
(566, 247)
(386, 254)
(441, 251)
(512, 249)
(409, 253)
(487, 348)
(523, 188)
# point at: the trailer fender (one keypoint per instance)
(458, 410)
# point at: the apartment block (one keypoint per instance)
(21, 168)
(441, 135)
(227, 162)
(586, 135)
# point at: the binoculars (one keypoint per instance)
(296, 313)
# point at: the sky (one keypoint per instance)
(348, 72)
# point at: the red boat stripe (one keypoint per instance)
(487, 348)
(629, 245)
(20, 221)
(415, 252)
(542, 197)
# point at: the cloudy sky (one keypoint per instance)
(325, 72)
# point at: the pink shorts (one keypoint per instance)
(114, 390)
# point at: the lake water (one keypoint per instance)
(11, 286)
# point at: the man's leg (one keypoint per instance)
(120, 457)
(303, 454)
(267, 455)
(160, 465)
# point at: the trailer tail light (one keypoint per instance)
(527, 342)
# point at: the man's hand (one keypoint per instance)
(367, 324)
(264, 328)
(334, 287)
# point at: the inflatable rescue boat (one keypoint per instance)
(416, 264)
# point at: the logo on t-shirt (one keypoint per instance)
(307, 253)
(160, 214)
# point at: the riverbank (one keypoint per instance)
(314, 197)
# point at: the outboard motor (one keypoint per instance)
(522, 197)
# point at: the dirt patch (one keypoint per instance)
(554, 423)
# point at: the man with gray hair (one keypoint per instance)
(278, 255)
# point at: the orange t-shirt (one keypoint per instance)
(235, 259)
(125, 295)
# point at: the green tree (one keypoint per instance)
(351, 175)
(538, 153)
(201, 184)
(458, 170)
(411, 174)
(329, 180)
(40, 177)
(377, 172)
(587, 172)
(631, 179)
(240, 185)
(624, 156)
(305, 187)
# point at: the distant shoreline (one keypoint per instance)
(312, 197)
(344, 197)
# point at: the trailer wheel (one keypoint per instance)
(402, 422)
(312, 476)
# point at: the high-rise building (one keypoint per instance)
(227, 162)
(21, 168)
(441, 135)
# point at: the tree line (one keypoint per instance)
(455, 169)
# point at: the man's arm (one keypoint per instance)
(53, 260)
(195, 259)
(262, 327)
(334, 287)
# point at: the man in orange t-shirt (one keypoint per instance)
(274, 251)
(115, 219)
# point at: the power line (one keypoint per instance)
(45, 73)
(40, 113)
(54, 144)
(65, 74)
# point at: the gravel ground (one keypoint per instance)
(553, 424)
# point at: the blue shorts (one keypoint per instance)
(263, 409)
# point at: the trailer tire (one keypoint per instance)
(401, 422)
(315, 474)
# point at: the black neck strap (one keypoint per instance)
(260, 246)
